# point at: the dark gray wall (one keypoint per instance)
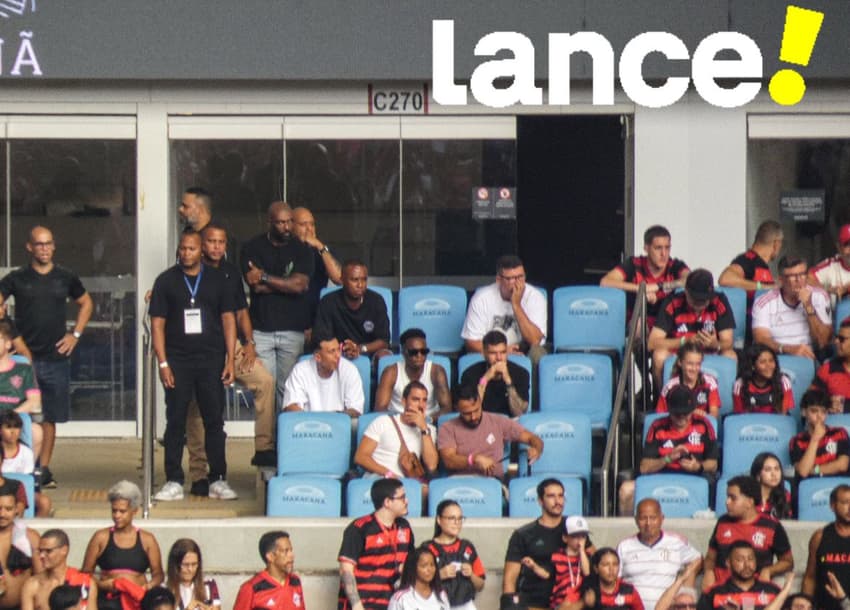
(369, 40)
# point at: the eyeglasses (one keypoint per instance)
(46, 551)
(401, 497)
(454, 519)
(418, 352)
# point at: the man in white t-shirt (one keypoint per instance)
(326, 382)
(379, 449)
(795, 318)
(511, 306)
(833, 274)
(652, 558)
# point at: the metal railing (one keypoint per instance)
(149, 379)
(611, 458)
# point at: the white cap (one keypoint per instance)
(577, 525)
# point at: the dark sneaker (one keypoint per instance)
(47, 480)
(267, 458)
(200, 488)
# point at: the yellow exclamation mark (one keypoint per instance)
(802, 25)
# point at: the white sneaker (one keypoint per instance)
(220, 490)
(170, 491)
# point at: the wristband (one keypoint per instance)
(389, 474)
(482, 381)
(470, 459)
(681, 341)
(667, 459)
(816, 470)
(758, 285)
(163, 364)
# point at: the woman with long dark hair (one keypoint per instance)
(185, 574)
(761, 388)
(421, 587)
(460, 568)
(775, 498)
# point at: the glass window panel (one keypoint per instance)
(352, 188)
(440, 236)
(85, 192)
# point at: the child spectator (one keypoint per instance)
(819, 450)
(18, 457)
(605, 590)
(687, 371)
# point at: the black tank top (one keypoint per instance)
(133, 559)
(833, 555)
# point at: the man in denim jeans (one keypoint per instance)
(277, 267)
(40, 290)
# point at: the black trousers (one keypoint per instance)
(203, 383)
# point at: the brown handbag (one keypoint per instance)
(410, 464)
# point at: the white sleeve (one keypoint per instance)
(689, 554)
(535, 308)
(476, 325)
(352, 387)
(761, 315)
(27, 459)
(822, 305)
(295, 390)
(376, 429)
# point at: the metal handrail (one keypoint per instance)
(149, 377)
(626, 376)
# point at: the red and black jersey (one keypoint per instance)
(755, 270)
(378, 554)
(766, 534)
(834, 443)
(663, 437)
(623, 597)
(705, 393)
(769, 510)
(75, 578)
(834, 379)
(760, 400)
(265, 593)
(677, 319)
(568, 578)
(636, 270)
(757, 597)
(459, 589)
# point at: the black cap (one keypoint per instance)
(681, 400)
(700, 285)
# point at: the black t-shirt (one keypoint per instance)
(233, 279)
(40, 306)
(496, 394)
(171, 298)
(318, 280)
(365, 324)
(831, 555)
(278, 311)
(540, 543)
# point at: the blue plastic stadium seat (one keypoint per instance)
(566, 444)
(589, 318)
(28, 481)
(304, 496)
(26, 429)
(477, 496)
(801, 372)
(523, 496)
(842, 310)
(839, 420)
(737, 298)
(720, 493)
(813, 497)
(313, 443)
(358, 498)
(437, 309)
(579, 383)
(724, 369)
(748, 434)
(385, 293)
(680, 495)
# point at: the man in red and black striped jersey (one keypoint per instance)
(819, 450)
(700, 314)
(742, 521)
(833, 376)
(277, 586)
(750, 270)
(374, 548)
(661, 273)
(742, 589)
(683, 442)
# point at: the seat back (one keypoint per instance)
(477, 496)
(737, 298)
(577, 382)
(839, 420)
(313, 443)
(842, 310)
(385, 293)
(813, 497)
(748, 434)
(801, 372)
(591, 318)
(523, 496)
(304, 496)
(680, 495)
(566, 444)
(358, 497)
(437, 309)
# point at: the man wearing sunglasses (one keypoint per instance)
(53, 550)
(414, 366)
(833, 376)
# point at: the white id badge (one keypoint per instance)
(192, 321)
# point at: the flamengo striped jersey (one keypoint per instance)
(757, 597)
(263, 592)
(377, 553)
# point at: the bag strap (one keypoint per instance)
(400, 435)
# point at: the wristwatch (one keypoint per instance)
(264, 278)
(324, 250)
(364, 350)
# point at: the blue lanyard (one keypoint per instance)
(193, 290)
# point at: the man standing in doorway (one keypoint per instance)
(40, 290)
(277, 267)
